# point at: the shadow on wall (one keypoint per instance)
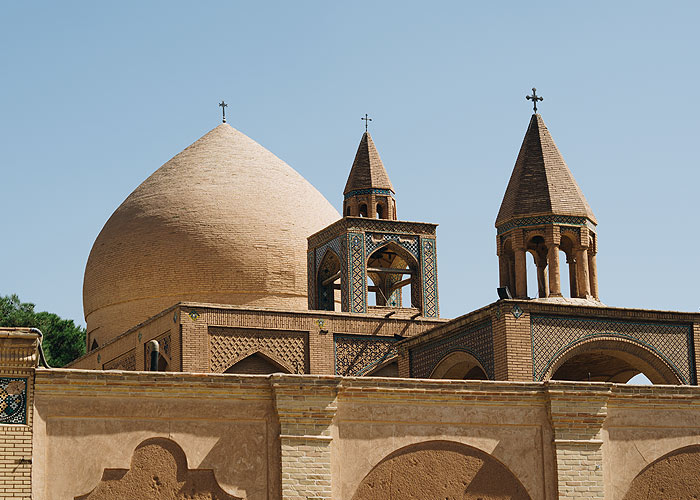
(673, 476)
(440, 470)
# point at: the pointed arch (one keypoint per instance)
(257, 361)
(326, 276)
(459, 364)
(388, 285)
(611, 357)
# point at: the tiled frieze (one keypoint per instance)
(554, 335)
(357, 355)
(376, 240)
(475, 339)
(126, 361)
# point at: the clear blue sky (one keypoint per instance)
(95, 96)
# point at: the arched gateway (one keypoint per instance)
(440, 470)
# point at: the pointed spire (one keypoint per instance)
(367, 170)
(541, 183)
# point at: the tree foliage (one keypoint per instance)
(63, 340)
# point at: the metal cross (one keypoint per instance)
(534, 98)
(223, 109)
(367, 119)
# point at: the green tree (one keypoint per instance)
(63, 340)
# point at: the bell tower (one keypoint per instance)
(368, 192)
(369, 261)
(544, 212)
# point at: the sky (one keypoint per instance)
(95, 96)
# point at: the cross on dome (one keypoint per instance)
(223, 106)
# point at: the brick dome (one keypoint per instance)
(225, 221)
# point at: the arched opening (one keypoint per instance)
(389, 368)
(537, 275)
(328, 281)
(611, 359)
(391, 269)
(459, 365)
(437, 470)
(380, 211)
(348, 211)
(363, 210)
(256, 364)
(94, 345)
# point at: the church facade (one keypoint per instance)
(247, 341)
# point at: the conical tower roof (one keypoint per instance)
(541, 183)
(367, 169)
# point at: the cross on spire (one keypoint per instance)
(223, 106)
(534, 98)
(367, 119)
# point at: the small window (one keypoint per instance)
(380, 211)
(348, 211)
(363, 210)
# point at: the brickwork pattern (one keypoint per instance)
(357, 355)
(375, 240)
(552, 335)
(475, 339)
(229, 345)
(126, 361)
(18, 358)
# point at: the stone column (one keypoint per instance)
(305, 407)
(577, 417)
(554, 279)
(583, 279)
(542, 284)
(503, 270)
(520, 274)
(573, 286)
(593, 271)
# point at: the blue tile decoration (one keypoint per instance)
(429, 277)
(375, 240)
(516, 311)
(475, 339)
(554, 335)
(356, 274)
(566, 220)
(357, 355)
(356, 192)
(13, 400)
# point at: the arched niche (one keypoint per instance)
(459, 365)
(258, 363)
(610, 358)
(158, 470)
(391, 268)
(328, 280)
(440, 470)
(673, 476)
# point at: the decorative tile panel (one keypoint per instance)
(553, 335)
(228, 346)
(357, 276)
(357, 192)
(429, 278)
(357, 355)
(13, 400)
(475, 339)
(334, 245)
(375, 240)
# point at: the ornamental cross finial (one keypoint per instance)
(367, 119)
(534, 98)
(223, 106)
